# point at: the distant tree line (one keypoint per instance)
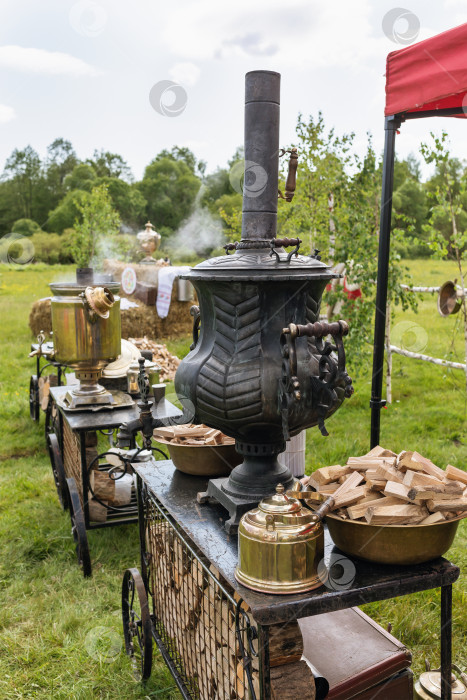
(45, 198)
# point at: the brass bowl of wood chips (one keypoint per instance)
(400, 509)
(199, 450)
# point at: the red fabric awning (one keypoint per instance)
(429, 75)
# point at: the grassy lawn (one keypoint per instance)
(52, 618)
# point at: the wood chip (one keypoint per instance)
(349, 497)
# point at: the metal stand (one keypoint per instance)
(171, 527)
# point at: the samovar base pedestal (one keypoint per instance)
(251, 481)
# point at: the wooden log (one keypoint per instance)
(379, 451)
(285, 644)
(292, 682)
(405, 514)
(435, 493)
(349, 497)
(359, 509)
(456, 474)
(97, 512)
(454, 504)
(397, 490)
(329, 489)
(376, 484)
(417, 463)
(352, 482)
(389, 473)
(412, 478)
(102, 485)
(433, 519)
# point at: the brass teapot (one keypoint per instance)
(428, 685)
(280, 545)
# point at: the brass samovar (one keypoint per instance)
(86, 328)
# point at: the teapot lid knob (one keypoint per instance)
(279, 488)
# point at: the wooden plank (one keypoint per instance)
(285, 644)
(405, 514)
(435, 493)
(456, 474)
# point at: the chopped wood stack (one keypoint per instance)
(160, 356)
(383, 488)
(199, 621)
(190, 434)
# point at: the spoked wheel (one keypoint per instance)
(34, 405)
(52, 418)
(137, 624)
(58, 469)
(78, 528)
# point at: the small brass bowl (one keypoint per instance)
(392, 544)
(203, 460)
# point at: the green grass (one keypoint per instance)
(51, 617)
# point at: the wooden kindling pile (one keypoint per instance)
(191, 434)
(385, 488)
(196, 620)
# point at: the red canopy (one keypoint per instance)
(429, 75)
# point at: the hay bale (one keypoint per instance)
(40, 318)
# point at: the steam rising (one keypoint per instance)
(199, 234)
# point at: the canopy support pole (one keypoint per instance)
(391, 124)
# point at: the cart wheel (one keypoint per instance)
(137, 624)
(34, 405)
(58, 469)
(78, 528)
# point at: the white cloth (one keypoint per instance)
(164, 287)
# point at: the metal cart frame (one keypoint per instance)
(167, 497)
(72, 445)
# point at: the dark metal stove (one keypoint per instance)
(261, 371)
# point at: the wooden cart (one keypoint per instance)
(218, 638)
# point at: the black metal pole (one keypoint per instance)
(376, 403)
(446, 641)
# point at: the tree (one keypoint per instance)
(24, 169)
(126, 199)
(60, 162)
(98, 220)
(82, 177)
(170, 188)
(107, 164)
(65, 214)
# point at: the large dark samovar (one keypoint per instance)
(261, 370)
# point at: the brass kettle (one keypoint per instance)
(280, 545)
(428, 685)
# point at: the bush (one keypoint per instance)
(25, 227)
(46, 247)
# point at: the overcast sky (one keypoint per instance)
(84, 70)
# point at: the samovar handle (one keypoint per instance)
(331, 373)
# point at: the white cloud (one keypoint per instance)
(6, 114)
(185, 74)
(44, 62)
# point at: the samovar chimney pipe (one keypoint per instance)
(262, 110)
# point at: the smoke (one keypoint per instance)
(198, 235)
